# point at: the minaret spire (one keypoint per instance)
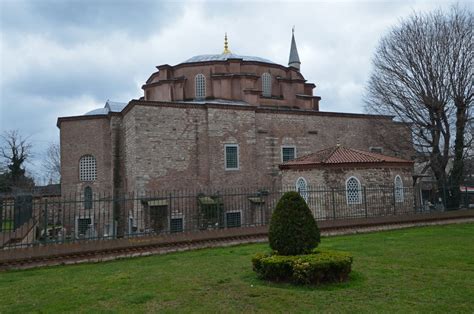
(226, 45)
(294, 60)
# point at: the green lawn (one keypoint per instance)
(428, 269)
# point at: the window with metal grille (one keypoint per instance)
(87, 168)
(302, 188)
(233, 219)
(88, 197)
(288, 153)
(353, 191)
(83, 224)
(398, 186)
(176, 225)
(200, 86)
(266, 85)
(231, 157)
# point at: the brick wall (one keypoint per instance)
(86, 137)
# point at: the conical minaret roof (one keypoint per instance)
(294, 60)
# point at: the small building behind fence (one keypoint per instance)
(340, 180)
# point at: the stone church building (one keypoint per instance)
(213, 121)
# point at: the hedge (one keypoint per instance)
(318, 267)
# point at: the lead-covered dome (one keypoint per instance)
(225, 57)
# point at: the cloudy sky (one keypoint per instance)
(66, 57)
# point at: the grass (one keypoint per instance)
(429, 269)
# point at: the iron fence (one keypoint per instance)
(33, 220)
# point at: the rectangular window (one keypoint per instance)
(377, 150)
(158, 216)
(233, 219)
(231, 157)
(288, 153)
(83, 227)
(176, 225)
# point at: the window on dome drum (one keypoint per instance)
(231, 156)
(288, 153)
(200, 86)
(353, 191)
(88, 197)
(87, 168)
(398, 189)
(302, 188)
(266, 85)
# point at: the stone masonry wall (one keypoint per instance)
(173, 147)
(327, 190)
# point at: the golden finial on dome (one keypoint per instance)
(226, 45)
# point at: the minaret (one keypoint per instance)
(226, 45)
(294, 60)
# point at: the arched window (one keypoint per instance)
(302, 188)
(88, 197)
(353, 191)
(266, 85)
(87, 168)
(398, 189)
(200, 86)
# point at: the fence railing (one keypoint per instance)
(27, 220)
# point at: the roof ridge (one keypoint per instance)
(332, 150)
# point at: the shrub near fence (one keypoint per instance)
(27, 221)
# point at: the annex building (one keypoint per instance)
(213, 121)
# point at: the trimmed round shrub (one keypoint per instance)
(293, 229)
(322, 266)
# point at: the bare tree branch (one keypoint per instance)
(52, 163)
(423, 75)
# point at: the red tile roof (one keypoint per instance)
(339, 155)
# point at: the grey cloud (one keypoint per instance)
(66, 57)
(76, 20)
(71, 84)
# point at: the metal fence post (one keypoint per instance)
(365, 201)
(466, 199)
(170, 208)
(46, 220)
(394, 201)
(333, 204)
(444, 198)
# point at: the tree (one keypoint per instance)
(52, 162)
(423, 75)
(15, 150)
(293, 229)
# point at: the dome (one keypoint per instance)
(110, 106)
(224, 57)
(98, 111)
